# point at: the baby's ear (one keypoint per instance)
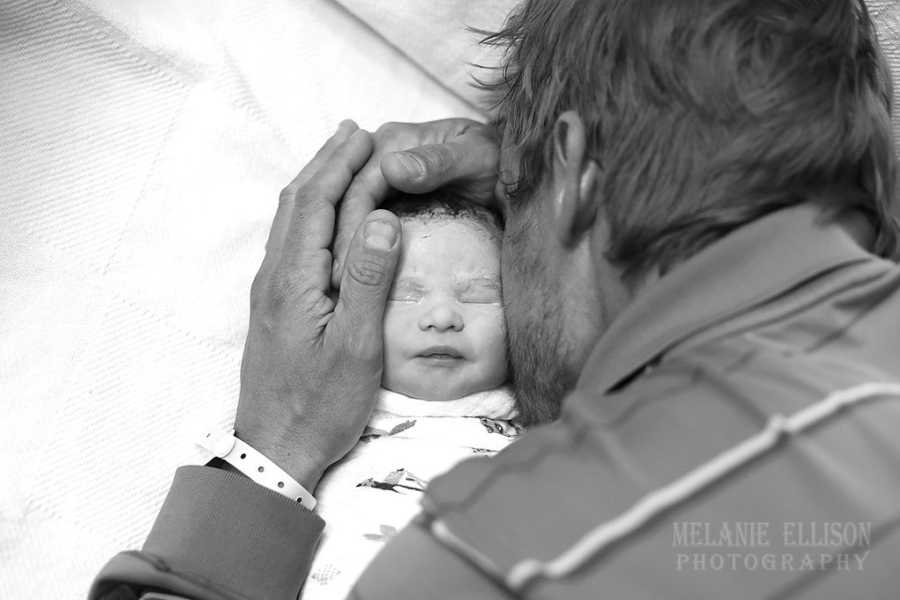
(574, 178)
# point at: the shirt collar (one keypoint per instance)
(748, 268)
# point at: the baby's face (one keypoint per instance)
(444, 332)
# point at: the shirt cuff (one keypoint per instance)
(224, 533)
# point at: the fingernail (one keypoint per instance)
(380, 235)
(345, 124)
(411, 163)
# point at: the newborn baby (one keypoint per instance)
(444, 333)
(443, 398)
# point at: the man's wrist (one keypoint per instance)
(298, 462)
(310, 482)
(255, 465)
(305, 469)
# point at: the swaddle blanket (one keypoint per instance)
(374, 492)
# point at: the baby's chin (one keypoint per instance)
(440, 392)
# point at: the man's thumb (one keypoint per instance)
(422, 169)
(368, 275)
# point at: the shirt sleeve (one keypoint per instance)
(218, 536)
(414, 565)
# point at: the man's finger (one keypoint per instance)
(345, 129)
(368, 275)
(286, 201)
(331, 181)
(364, 194)
(312, 221)
(471, 159)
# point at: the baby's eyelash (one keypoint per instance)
(481, 293)
(480, 300)
(406, 296)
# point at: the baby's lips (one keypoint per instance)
(442, 350)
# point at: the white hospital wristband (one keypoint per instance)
(257, 467)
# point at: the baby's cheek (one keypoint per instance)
(490, 333)
(495, 357)
(492, 315)
(394, 331)
(392, 362)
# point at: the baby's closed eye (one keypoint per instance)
(406, 291)
(481, 291)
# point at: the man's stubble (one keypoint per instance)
(535, 327)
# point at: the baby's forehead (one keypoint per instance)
(465, 225)
(458, 247)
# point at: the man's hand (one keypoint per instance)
(312, 363)
(313, 359)
(418, 158)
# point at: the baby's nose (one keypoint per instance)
(441, 317)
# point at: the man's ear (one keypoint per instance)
(575, 177)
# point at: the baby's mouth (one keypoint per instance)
(441, 354)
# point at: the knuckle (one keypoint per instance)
(281, 293)
(388, 129)
(438, 159)
(304, 197)
(287, 193)
(367, 271)
(279, 289)
(316, 303)
(393, 134)
(288, 297)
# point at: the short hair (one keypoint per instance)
(443, 204)
(703, 115)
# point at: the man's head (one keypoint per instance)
(638, 132)
(444, 333)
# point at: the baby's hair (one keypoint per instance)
(443, 204)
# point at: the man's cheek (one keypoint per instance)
(508, 278)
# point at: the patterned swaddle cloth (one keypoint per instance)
(375, 490)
